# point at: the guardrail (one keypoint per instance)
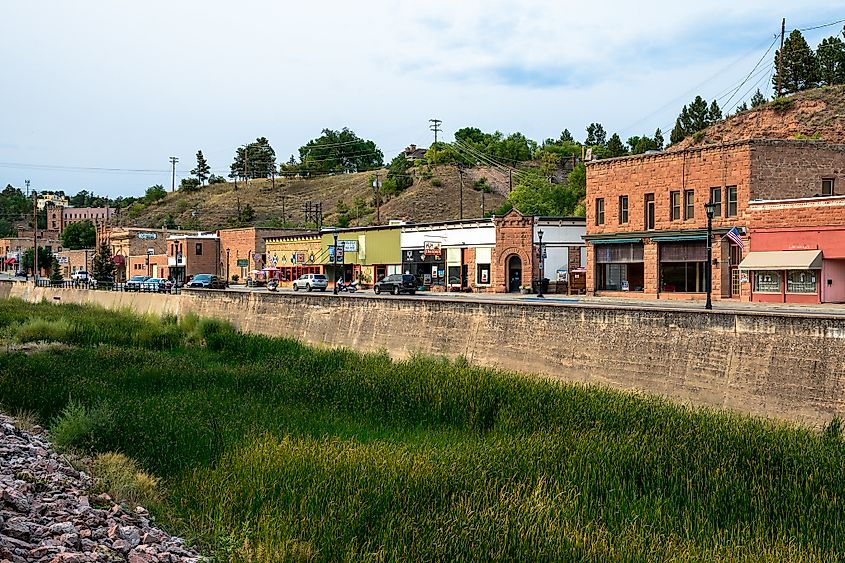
(107, 286)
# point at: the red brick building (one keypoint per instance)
(189, 255)
(646, 224)
(797, 251)
(58, 217)
(237, 245)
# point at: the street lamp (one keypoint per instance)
(334, 260)
(227, 265)
(540, 281)
(710, 210)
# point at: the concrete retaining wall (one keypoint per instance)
(773, 365)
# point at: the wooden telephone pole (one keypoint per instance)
(780, 56)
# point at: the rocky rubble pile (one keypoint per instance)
(46, 514)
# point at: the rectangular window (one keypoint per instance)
(801, 281)
(716, 199)
(674, 206)
(767, 281)
(689, 204)
(730, 209)
(199, 249)
(648, 211)
(827, 186)
(600, 211)
(623, 209)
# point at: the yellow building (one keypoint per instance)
(290, 256)
(369, 253)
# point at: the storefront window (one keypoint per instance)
(801, 281)
(683, 266)
(767, 281)
(619, 267)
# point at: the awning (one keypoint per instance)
(616, 240)
(11, 261)
(675, 238)
(118, 259)
(783, 260)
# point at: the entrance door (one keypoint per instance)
(514, 273)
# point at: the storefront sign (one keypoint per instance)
(349, 246)
(431, 248)
(147, 236)
(743, 276)
(243, 262)
(300, 257)
(62, 259)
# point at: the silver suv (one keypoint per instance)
(311, 281)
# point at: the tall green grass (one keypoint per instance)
(271, 450)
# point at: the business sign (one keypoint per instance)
(62, 259)
(300, 257)
(431, 248)
(348, 246)
(243, 262)
(147, 236)
(339, 254)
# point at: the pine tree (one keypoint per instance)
(596, 135)
(202, 170)
(678, 134)
(799, 69)
(742, 107)
(56, 271)
(757, 100)
(102, 265)
(714, 114)
(615, 147)
(831, 59)
(658, 139)
(698, 116)
(566, 137)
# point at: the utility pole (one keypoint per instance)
(510, 180)
(435, 126)
(27, 187)
(780, 55)
(377, 195)
(34, 237)
(482, 202)
(461, 174)
(246, 178)
(173, 161)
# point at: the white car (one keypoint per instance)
(309, 282)
(79, 275)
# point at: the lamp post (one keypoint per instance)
(334, 261)
(540, 256)
(710, 210)
(227, 265)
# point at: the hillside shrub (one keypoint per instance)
(78, 427)
(124, 480)
(437, 182)
(42, 330)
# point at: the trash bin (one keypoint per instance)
(541, 284)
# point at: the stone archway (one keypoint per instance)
(514, 273)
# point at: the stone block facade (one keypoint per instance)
(514, 244)
(756, 169)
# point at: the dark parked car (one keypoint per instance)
(207, 281)
(136, 282)
(397, 283)
(160, 285)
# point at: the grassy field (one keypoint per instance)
(269, 450)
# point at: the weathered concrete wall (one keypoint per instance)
(775, 365)
(142, 303)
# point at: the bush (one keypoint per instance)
(437, 182)
(77, 427)
(121, 478)
(235, 278)
(781, 104)
(43, 330)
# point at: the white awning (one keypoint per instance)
(783, 260)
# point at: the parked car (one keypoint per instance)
(104, 281)
(20, 274)
(160, 285)
(79, 275)
(397, 283)
(135, 283)
(207, 281)
(309, 282)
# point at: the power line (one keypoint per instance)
(837, 22)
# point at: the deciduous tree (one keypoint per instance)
(79, 235)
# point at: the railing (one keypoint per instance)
(108, 286)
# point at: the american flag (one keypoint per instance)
(735, 236)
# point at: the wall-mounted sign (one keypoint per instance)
(300, 257)
(350, 245)
(62, 259)
(243, 262)
(147, 236)
(431, 248)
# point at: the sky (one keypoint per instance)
(97, 95)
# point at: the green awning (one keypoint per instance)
(616, 240)
(671, 238)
